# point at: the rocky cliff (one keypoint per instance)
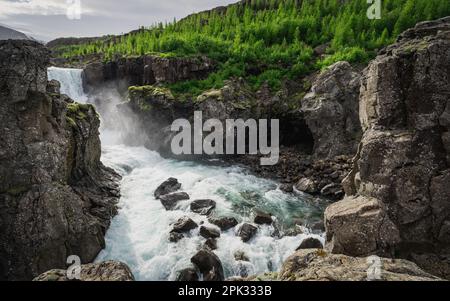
(398, 190)
(56, 197)
(145, 70)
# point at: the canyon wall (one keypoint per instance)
(56, 197)
(398, 193)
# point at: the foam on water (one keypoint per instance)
(139, 234)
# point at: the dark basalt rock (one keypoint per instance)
(224, 223)
(209, 265)
(175, 237)
(246, 232)
(169, 201)
(169, 186)
(203, 207)
(262, 218)
(211, 243)
(56, 197)
(184, 224)
(310, 243)
(241, 256)
(207, 232)
(189, 274)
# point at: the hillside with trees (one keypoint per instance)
(270, 40)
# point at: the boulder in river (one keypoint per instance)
(188, 274)
(262, 218)
(175, 236)
(207, 232)
(224, 223)
(169, 201)
(184, 224)
(168, 186)
(246, 232)
(306, 185)
(203, 207)
(241, 256)
(209, 265)
(211, 243)
(310, 243)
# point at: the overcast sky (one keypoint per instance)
(49, 19)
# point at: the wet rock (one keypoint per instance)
(224, 223)
(288, 188)
(203, 207)
(103, 271)
(168, 186)
(207, 232)
(246, 232)
(184, 224)
(169, 201)
(310, 243)
(306, 185)
(211, 243)
(188, 274)
(241, 256)
(175, 237)
(209, 265)
(318, 226)
(262, 218)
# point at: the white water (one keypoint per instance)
(71, 82)
(138, 236)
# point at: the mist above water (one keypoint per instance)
(139, 235)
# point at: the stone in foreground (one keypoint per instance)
(103, 271)
(169, 186)
(209, 265)
(203, 207)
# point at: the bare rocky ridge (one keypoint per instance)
(56, 197)
(397, 192)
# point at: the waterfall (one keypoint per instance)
(71, 82)
(138, 236)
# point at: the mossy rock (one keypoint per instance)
(150, 91)
(211, 94)
(78, 111)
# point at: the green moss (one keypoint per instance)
(211, 94)
(71, 121)
(78, 110)
(151, 91)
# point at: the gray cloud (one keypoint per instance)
(46, 19)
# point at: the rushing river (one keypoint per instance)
(139, 234)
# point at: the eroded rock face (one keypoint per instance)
(103, 271)
(146, 70)
(317, 265)
(331, 111)
(402, 162)
(56, 197)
